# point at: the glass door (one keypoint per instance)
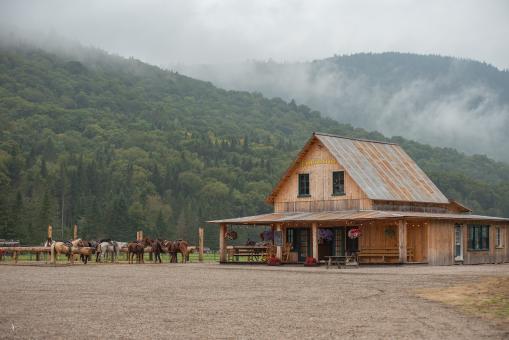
(458, 242)
(300, 240)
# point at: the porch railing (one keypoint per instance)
(409, 208)
(316, 206)
(351, 204)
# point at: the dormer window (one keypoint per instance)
(338, 183)
(304, 185)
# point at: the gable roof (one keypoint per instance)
(384, 171)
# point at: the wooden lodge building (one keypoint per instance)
(338, 184)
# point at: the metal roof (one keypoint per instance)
(384, 171)
(354, 215)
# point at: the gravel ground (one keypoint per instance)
(175, 301)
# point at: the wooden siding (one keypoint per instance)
(417, 240)
(320, 164)
(440, 243)
(374, 236)
(493, 254)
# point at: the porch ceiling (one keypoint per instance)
(330, 216)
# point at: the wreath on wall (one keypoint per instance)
(389, 232)
(267, 235)
(230, 235)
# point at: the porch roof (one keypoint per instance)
(352, 215)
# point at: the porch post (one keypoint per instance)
(222, 242)
(402, 228)
(279, 249)
(314, 233)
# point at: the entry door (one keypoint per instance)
(458, 242)
(352, 245)
(300, 239)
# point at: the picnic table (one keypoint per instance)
(252, 253)
(341, 260)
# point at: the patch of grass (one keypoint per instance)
(488, 299)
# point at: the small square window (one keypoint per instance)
(338, 183)
(304, 185)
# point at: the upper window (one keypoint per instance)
(478, 237)
(303, 184)
(338, 183)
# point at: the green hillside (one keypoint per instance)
(442, 101)
(118, 145)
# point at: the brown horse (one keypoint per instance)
(157, 248)
(174, 247)
(137, 248)
(86, 257)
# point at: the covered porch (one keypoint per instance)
(370, 236)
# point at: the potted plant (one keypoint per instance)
(273, 261)
(310, 262)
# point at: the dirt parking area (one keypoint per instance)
(173, 301)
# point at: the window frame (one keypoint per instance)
(341, 193)
(478, 237)
(499, 237)
(299, 185)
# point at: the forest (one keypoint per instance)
(116, 145)
(437, 100)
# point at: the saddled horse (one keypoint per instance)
(63, 248)
(174, 247)
(137, 248)
(92, 245)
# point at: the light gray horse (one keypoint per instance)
(119, 247)
(108, 249)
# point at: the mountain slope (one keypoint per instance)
(116, 145)
(442, 101)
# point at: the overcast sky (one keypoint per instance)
(169, 32)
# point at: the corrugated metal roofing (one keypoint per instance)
(329, 216)
(384, 171)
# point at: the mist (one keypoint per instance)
(447, 106)
(228, 35)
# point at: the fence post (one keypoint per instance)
(200, 238)
(52, 257)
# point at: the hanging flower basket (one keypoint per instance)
(267, 235)
(354, 233)
(231, 235)
(325, 235)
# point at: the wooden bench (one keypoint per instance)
(384, 253)
(251, 253)
(341, 260)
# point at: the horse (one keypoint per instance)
(107, 248)
(62, 248)
(119, 247)
(92, 245)
(136, 248)
(174, 247)
(157, 248)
